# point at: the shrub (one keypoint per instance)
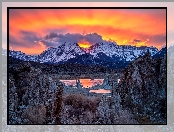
(81, 101)
(78, 109)
(35, 114)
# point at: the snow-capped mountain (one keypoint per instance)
(161, 53)
(100, 59)
(101, 53)
(22, 56)
(61, 53)
(126, 52)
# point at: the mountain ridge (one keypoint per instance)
(100, 53)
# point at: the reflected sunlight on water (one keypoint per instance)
(100, 91)
(85, 82)
(89, 83)
(69, 82)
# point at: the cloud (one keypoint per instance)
(158, 40)
(93, 38)
(59, 26)
(54, 39)
(51, 35)
(30, 37)
(139, 42)
(136, 40)
(48, 43)
(27, 39)
(27, 42)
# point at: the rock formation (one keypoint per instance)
(143, 88)
(34, 98)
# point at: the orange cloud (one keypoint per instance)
(116, 24)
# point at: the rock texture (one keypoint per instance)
(108, 54)
(34, 98)
(143, 88)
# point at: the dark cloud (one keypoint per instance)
(155, 40)
(72, 38)
(158, 40)
(93, 38)
(135, 41)
(27, 40)
(54, 39)
(30, 36)
(14, 41)
(49, 43)
(58, 30)
(51, 35)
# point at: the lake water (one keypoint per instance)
(100, 91)
(87, 83)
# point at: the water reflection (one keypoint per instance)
(87, 83)
(69, 82)
(100, 91)
(97, 85)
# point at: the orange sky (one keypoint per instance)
(124, 26)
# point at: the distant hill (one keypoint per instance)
(68, 69)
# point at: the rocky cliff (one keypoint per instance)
(143, 88)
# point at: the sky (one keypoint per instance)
(33, 31)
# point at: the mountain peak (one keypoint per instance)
(104, 51)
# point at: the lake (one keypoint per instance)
(87, 83)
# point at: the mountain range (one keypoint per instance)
(106, 54)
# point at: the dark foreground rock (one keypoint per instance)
(143, 88)
(34, 98)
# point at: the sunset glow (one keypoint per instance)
(100, 91)
(84, 44)
(87, 83)
(139, 27)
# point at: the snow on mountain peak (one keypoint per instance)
(67, 51)
(61, 53)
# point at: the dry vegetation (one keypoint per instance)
(36, 98)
